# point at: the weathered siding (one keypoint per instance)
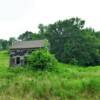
(21, 53)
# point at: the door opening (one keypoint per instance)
(18, 60)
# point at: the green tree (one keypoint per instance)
(71, 43)
(12, 40)
(30, 36)
(42, 31)
(26, 36)
(61, 31)
(4, 44)
(37, 36)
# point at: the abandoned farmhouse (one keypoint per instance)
(20, 50)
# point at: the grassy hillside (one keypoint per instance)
(65, 83)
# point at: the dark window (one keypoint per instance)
(18, 60)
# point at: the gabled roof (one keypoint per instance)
(28, 44)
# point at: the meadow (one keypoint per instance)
(67, 82)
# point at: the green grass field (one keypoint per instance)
(67, 82)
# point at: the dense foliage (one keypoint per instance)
(69, 41)
(72, 43)
(41, 60)
(27, 36)
(4, 44)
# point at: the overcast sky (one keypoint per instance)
(18, 16)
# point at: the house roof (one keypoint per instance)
(28, 44)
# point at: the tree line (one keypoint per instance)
(69, 41)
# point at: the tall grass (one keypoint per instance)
(67, 82)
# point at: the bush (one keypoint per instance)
(41, 60)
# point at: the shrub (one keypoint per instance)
(41, 60)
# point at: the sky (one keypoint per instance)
(18, 16)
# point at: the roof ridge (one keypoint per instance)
(28, 44)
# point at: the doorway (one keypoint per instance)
(18, 60)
